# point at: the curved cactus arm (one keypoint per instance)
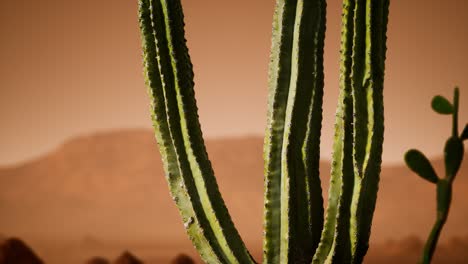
(453, 157)
(301, 196)
(279, 72)
(357, 159)
(293, 199)
(188, 170)
(341, 171)
(341, 251)
(311, 145)
(368, 164)
(153, 81)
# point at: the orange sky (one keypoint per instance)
(73, 67)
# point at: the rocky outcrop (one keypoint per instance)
(182, 259)
(15, 251)
(97, 260)
(127, 258)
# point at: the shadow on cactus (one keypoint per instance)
(453, 154)
(297, 228)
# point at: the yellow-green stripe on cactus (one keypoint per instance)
(189, 173)
(293, 198)
(295, 229)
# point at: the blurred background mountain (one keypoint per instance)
(107, 191)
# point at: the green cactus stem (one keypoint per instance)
(191, 180)
(295, 230)
(358, 134)
(293, 198)
(453, 156)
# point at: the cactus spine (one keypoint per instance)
(294, 224)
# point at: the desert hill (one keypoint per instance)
(114, 181)
(111, 187)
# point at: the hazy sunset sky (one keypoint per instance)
(70, 68)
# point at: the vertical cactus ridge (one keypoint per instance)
(159, 117)
(357, 120)
(188, 169)
(293, 200)
(367, 182)
(296, 197)
(295, 230)
(358, 134)
(279, 78)
(359, 79)
(342, 146)
(311, 145)
(361, 121)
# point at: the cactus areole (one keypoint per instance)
(297, 227)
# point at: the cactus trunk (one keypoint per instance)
(358, 134)
(188, 170)
(293, 198)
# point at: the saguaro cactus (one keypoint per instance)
(295, 228)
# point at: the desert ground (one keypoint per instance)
(104, 193)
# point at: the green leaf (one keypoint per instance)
(453, 156)
(441, 105)
(464, 134)
(418, 163)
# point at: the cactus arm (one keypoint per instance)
(279, 77)
(311, 146)
(338, 251)
(362, 121)
(297, 198)
(342, 139)
(341, 251)
(171, 167)
(444, 198)
(293, 200)
(188, 170)
(368, 170)
(453, 157)
(456, 96)
(360, 77)
(356, 160)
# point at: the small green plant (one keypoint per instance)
(453, 154)
(295, 228)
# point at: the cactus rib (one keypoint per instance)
(293, 199)
(342, 145)
(358, 134)
(311, 146)
(297, 198)
(188, 169)
(279, 77)
(295, 230)
(367, 179)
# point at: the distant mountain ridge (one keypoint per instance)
(112, 185)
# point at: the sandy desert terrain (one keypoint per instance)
(101, 194)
